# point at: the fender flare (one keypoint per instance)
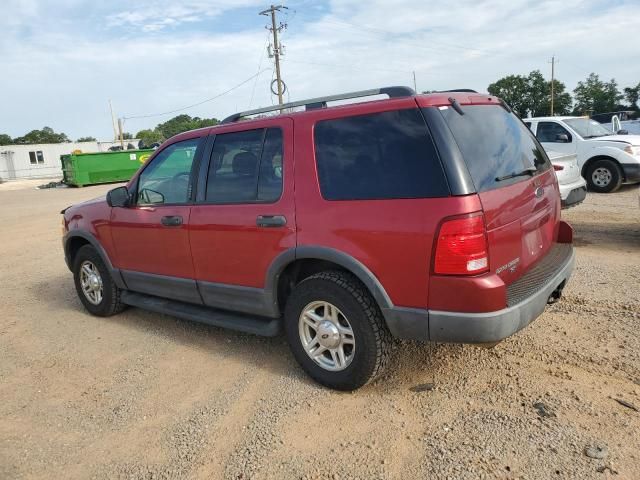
(346, 261)
(93, 241)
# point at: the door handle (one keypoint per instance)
(171, 221)
(271, 221)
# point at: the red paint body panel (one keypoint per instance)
(227, 245)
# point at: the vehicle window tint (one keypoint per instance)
(378, 156)
(270, 179)
(167, 178)
(549, 131)
(494, 143)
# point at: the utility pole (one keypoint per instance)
(415, 88)
(113, 122)
(120, 129)
(553, 76)
(277, 48)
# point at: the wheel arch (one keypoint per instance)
(76, 239)
(295, 264)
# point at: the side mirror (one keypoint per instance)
(622, 132)
(118, 197)
(562, 138)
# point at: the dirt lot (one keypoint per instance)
(141, 395)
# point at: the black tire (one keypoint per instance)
(372, 338)
(610, 169)
(110, 303)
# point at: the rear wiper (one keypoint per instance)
(526, 171)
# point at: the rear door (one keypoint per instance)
(521, 212)
(245, 214)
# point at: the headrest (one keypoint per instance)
(244, 163)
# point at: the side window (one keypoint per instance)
(549, 131)
(246, 167)
(270, 181)
(528, 124)
(167, 179)
(378, 156)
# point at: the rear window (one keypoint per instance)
(378, 156)
(494, 143)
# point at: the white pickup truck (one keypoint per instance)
(606, 160)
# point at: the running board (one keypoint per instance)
(267, 327)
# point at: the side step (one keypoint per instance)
(267, 327)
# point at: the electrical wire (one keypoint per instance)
(262, 52)
(199, 103)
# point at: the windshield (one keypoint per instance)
(587, 128)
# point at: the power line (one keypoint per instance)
(198, 103)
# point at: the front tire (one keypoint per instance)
(604, 176)
(94, 285)
(336, 331)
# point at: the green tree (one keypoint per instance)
(531, 94)
(86, 139)
(46, 135)
(183, 123)
(632, 95)
(512, 89)
(5, 139)
(149, 137)
(596, 96)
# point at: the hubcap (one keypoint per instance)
(601, 177)
(326, 336)
(91, 282)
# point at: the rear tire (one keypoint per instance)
(94, 285)
(604, 176)
(336, 331)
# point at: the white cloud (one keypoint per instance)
(62, 63)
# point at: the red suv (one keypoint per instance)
(427, 217)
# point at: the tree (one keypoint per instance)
(512, 89)
(596, 96)
(149, 137)
(531, 94)
(632, 94)
(182, 123)
(46, 135)
(5, 139)
(126, 136)
(86, 139)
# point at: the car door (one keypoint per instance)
(554, 137)
(151, 236)
(244, 215)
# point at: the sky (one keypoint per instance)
(62, 61)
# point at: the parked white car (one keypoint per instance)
(605, 160)
(573, 188)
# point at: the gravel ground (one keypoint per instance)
(142, 395)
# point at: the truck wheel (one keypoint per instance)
(96, 289)
(604, 176)
(336, 331)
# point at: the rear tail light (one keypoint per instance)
(557, 168)
(461, 248)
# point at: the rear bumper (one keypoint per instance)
(575, 197)
(488, 327)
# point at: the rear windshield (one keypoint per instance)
(378, 156)
(494, 144)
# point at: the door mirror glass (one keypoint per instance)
(562, 138)
(118, 197)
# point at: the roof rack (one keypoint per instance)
(461, 90)
(321, 102)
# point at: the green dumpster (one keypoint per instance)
(81, 169)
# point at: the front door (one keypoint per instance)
(244, 217)
(151, 236)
